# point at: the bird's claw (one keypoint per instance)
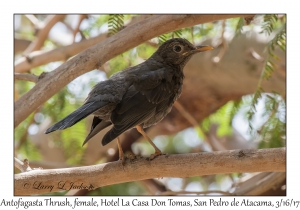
(156, 154)
(129, 156)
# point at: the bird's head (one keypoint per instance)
(178, 51)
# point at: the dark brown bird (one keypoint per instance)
(138, 96)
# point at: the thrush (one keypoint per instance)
(139, 96)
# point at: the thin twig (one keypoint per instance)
(50, 21)
(76, 29)
(192, 120)
(26, 77)
(186, 114)
(22, 166)
(25, 134)
(34, 21)
(192, 34)
(224, 44)
(255, 55)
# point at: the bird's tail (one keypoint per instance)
(96, 127)
(76, 116)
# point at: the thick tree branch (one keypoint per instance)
(183, 165)
(43, 33)
(96, 55)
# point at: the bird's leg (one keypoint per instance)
(157, 151)
(121, 153)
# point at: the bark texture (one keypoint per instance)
(183, 165)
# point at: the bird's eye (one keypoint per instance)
(177, 48)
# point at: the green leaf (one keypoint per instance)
(115, 23)
(239, 26)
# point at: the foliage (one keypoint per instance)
(222, 117)
(115, 23)
(273, 131)
(268, 24)
(164, 37)
(269, 67)
(239, 26)
(95, 23)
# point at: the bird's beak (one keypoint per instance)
(203, 48)
(199, 49)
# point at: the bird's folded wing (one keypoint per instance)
(133, 110)
(148, 80)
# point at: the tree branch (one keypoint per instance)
(76, 29)
(96, 55)
(186, 114)
(20, 45)
(259, 184)
(22, 166)
(193, 122)
(35, 22)
(224, 44)
(39, 58)
(43, 33)
(182, 165)
(26, 77)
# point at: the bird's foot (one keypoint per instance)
(130, 156)
(123, 159)
(156, 154)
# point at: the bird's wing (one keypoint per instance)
(146, 79)
(111, 90)
(139, 103)
(128, 114)
(156, 86)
